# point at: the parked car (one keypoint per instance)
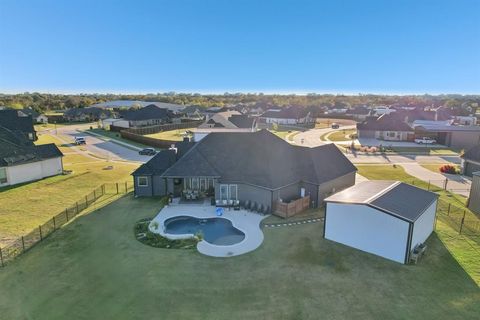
(80, 140)
(425, 140)
(335, 125)
(147, 152)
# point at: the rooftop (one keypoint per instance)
(388, 196)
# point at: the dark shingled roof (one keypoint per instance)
(472, 154)
(388, 196)
(241, 120)
(384, 123)
(148, 112)
(11, 120)
(260, 158)
(158, 164)
(16, 149)
(286, 113)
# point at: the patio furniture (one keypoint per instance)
(247, 205)
(254, 206)
(236, 205)
(260, 208)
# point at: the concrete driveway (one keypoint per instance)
(311, 138)
(103, 148)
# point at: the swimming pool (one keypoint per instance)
(217, 231)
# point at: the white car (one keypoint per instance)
(80, 140)
(425, 140)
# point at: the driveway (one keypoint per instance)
(311, 138)
(103, 148)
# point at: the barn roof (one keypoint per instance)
(389, 197)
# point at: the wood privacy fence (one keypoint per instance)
(164, 127)
(22, 244)
(286, 210)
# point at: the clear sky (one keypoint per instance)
(415, 46)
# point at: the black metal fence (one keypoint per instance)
(27, 241)
(460, 219)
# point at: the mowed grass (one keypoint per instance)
(339, 135)
(172, 135)
(464, 247)
(94, 268)
(26, 206)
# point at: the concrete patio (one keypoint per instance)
(245, 221)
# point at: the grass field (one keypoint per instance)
(172, 135)
(24, 207)
(95, 269)
(465, 247)
(340, 135)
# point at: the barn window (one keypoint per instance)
(142, 181)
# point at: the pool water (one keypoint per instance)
(218, 231)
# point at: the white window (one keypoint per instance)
(233, 192)
(3, 176)
(391, 134)
(195, 183)
(224, 192)
(142, 181)
(228, 192)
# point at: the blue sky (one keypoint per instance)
(415, 46)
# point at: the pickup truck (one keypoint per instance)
(425, 140)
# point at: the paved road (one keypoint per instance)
(100, 147)
(311, 138)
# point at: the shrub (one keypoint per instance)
(448, 168)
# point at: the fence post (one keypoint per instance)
(126, 187)
(66, 214)
(86, 200)
(449, 205)
(40, 230)
(1, 257)
(103, 189)
(76, 204)
(428, 185)
(117, 187)
(23, 244)
(94, 195)
(54, 224)
(463, 221)
(435, 224)
(446, 183)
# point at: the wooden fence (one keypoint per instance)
(164, 127)
(152, 142)
(287, 210)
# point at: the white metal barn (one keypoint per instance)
(386, 218)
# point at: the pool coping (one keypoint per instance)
(247, 222)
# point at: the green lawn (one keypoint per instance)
(172, 135)
(425, 150)
(95, 269)
(340, 135)
(280, 133)
(466, 247)
(26, 206)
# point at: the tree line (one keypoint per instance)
(46, 102)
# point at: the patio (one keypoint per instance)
(245, 221)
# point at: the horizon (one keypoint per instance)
(281, 47)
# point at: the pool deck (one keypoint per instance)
(247, 222)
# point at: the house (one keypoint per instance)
(471, 161)
(36, 116)
(385, 127)
(22, 161)
(18, 122)
(229, 120)
(256, 166)
(147, 116)
(474, 198)
(137, 104)
(87, 114)
(287, 116)
(465, 120)
(453, 136)
(374, 216)
(359, 113)
(193, 113)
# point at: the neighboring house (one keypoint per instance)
(465, 120)
(229, 120)
(458, 137)
(286, 116)
(471, 161)
(147, 116)
(117, 122)
(386, 218)
(22, 161)
(36, 116)
(359, 113)
(18, 122)
(474, 198)
(255, 166)
(193, 113)
(87, 114)
(386, 128)
(136, 104)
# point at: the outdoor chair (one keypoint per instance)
(247, 205)
(260, 208)
(254, 206)
(224, 202)
(217, 203)
(267, 210)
